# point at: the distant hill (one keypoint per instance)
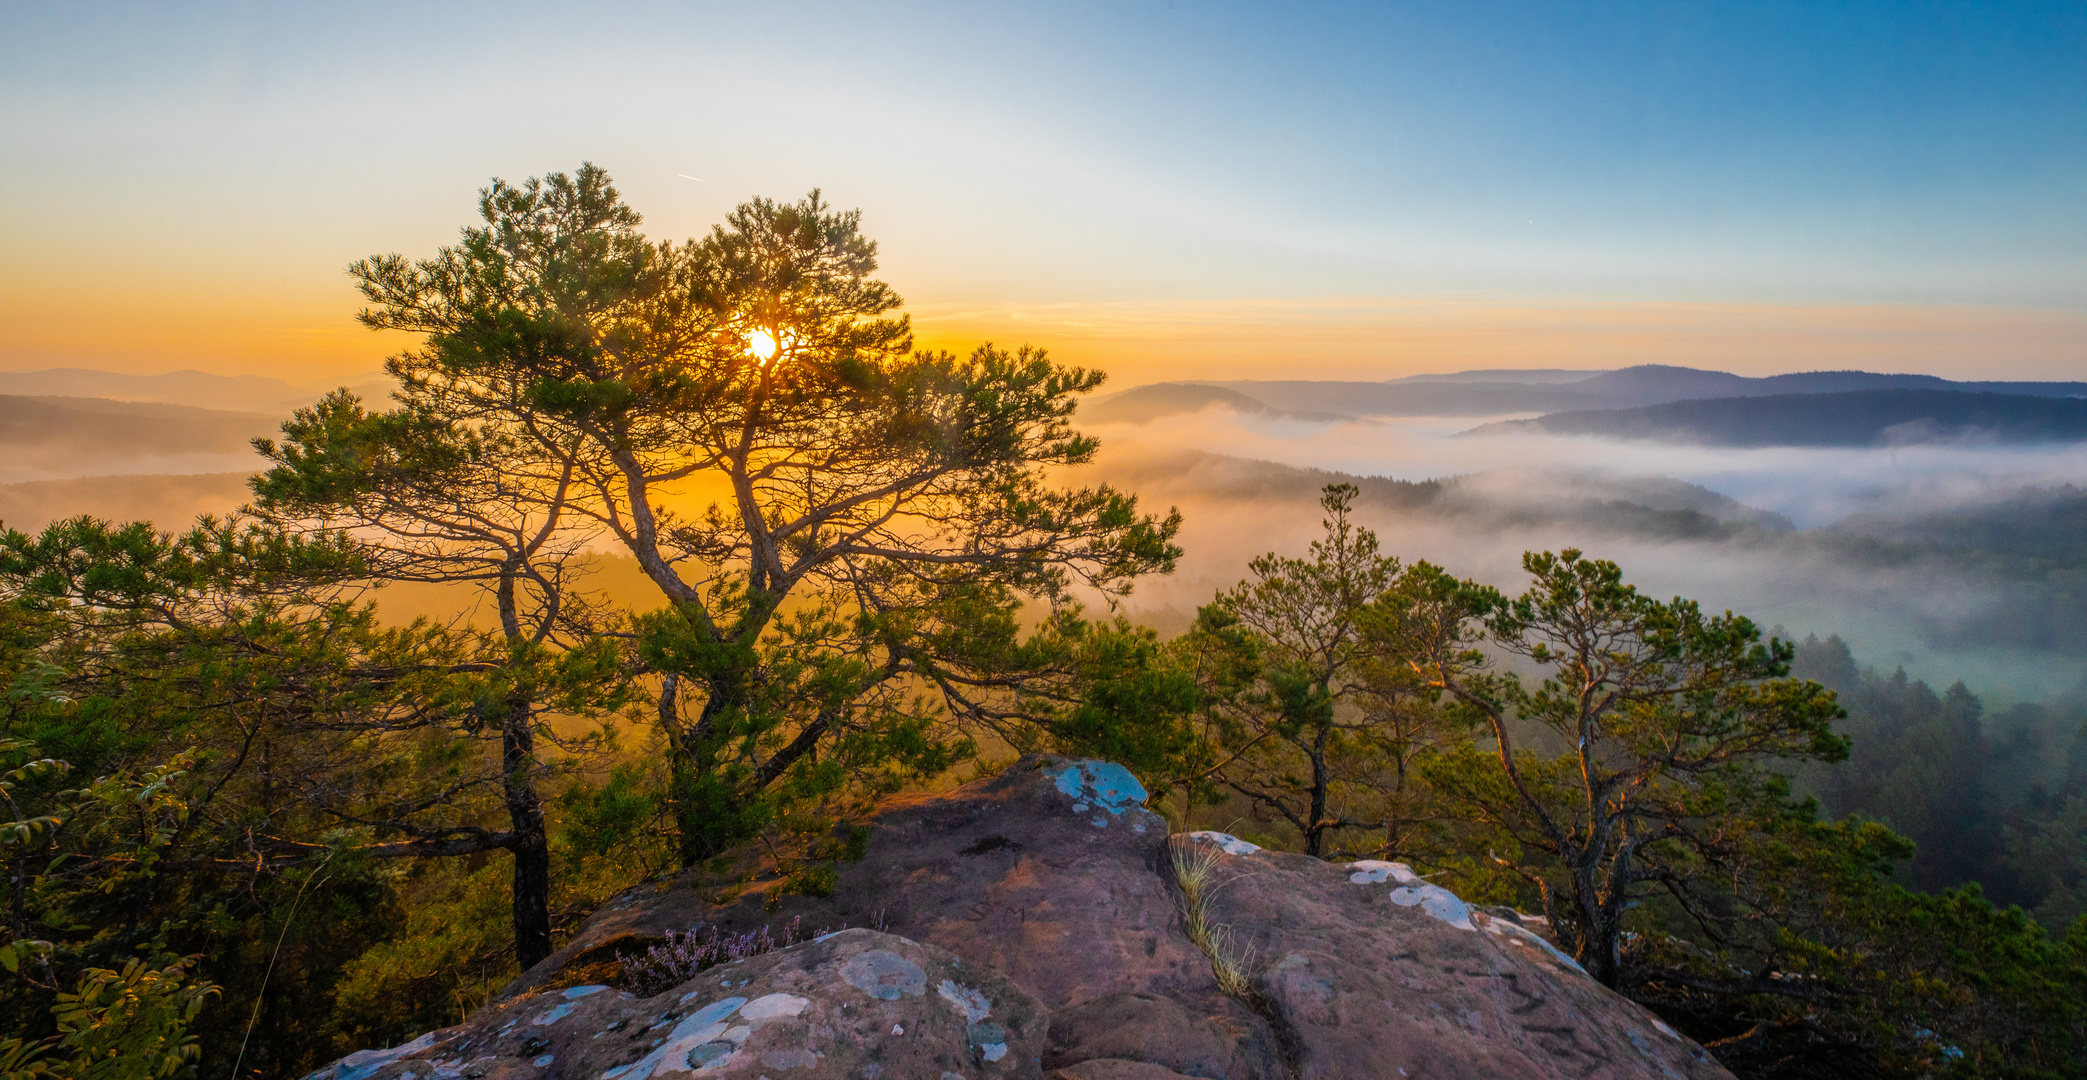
(1498, 392)
(1144, 404)
(237, 393)
(1851, 418)
(1528, 376)
(1654, 384)
(1411, 398)
(55, 437)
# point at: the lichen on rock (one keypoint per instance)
(853, 1004)
(1226, 842)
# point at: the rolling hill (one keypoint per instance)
(1851, 418)
(199, 389)
(1502, 392)
(47, 438)
(1144, 404)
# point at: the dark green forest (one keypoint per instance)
(1998, 800)
(251, 824)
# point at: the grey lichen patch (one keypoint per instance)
(1503, 928)
(705, 1053)
(1413, 891)
(989, 1039)
(366, 1062)
(971, 1003)
(773, 1007)
(688, 1040)
(822, 1011)
(1226, 842)
(1436, 901)
(554, 1014)
(885, 975)
(1371, 871)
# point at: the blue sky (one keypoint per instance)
(187, 180)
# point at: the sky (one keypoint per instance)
(1164, 190)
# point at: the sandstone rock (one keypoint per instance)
(1051, 872)
(857, 1004)
(1048, 891)
(1162, 1032)
(1371, 971)
(1113, 1069)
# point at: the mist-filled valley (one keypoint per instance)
(1956, 558)
(1935, 578)
(1937, 563)
(1959, 560)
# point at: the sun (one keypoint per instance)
(762, 344)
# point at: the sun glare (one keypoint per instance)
(762, 344)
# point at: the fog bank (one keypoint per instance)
(1766, 533)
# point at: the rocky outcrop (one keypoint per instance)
(1036, 928)
(852, 1004)
(1371, 971)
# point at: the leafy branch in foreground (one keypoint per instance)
(115, 1025)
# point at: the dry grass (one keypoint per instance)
(1195, 872)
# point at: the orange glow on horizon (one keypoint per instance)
(302, 338)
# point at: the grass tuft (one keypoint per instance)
(1195, 873)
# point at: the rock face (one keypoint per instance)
(1373, 971)
(1035, 927)
(852, 1004)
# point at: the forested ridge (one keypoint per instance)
(250, 825)
(1894, 417)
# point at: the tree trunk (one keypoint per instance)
(691, 780)
(1315, 837)
(713, 815)
(681, 791)
(1601, 937)
(531, 847)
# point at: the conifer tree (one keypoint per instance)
(841, 529)
(1669, 718)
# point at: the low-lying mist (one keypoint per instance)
(1959, 562)
(1811, 486)
(1806, 540)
